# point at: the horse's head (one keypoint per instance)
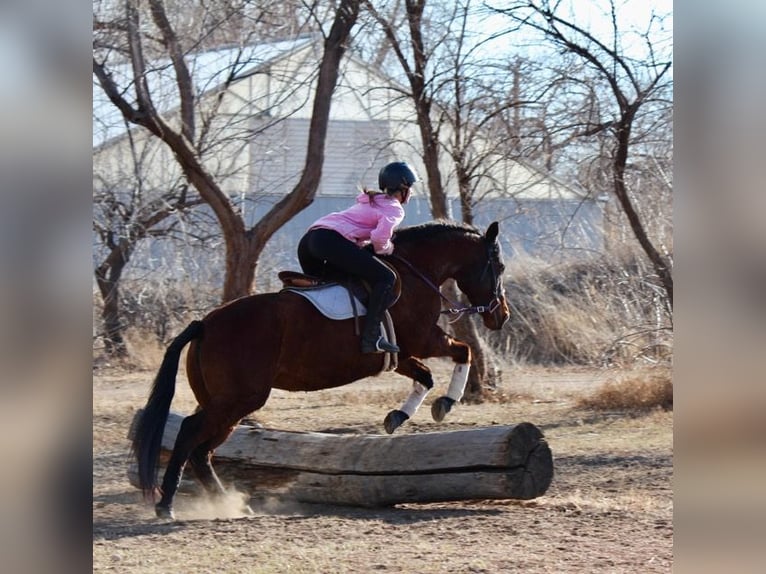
(482, 280)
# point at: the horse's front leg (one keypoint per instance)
(461, 355)
(439, 345)
(422, 383)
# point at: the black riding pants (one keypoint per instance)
(326, 253)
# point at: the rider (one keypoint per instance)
(339, 240)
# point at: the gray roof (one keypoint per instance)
(209, 70)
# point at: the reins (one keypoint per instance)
(454, 309)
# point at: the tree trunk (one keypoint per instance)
(466, 207)
(240, 266)
(422, 100)
(463, 329)
(480, 379)
(438, 198)
(114, 342)
(108, 276)
(475, 390)
(303, 194)
(660, 264)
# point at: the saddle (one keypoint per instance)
(342, 298)
(300, 282)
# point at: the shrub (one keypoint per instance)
(633, 393)
(607, 311)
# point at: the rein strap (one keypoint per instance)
(454, 309)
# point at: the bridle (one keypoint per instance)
(455, 309)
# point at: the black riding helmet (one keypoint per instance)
(397, 176)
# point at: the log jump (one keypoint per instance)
(497, 462)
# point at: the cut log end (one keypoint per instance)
(537, 463)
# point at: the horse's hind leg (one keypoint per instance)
(200, 456)
(202, 466)
(189, 437)
(203, 469)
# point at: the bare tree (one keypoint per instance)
(421, 57)
(421, 92)
(622, 89)
(128, 207)
(185, 136)
(475, 94)
(123, 217)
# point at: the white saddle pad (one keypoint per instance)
(333, 301)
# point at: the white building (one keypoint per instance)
(256, 106)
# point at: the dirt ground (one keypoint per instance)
(609, 508)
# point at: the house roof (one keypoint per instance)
(209, 70)
(212, 69)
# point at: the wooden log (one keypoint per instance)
(498, 462)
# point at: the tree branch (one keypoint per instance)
(183, 77)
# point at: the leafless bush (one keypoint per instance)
(165, 308)
(653, 390)
(607, 311)
(160, 309)
(156, 302)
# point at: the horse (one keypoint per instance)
(241, 350)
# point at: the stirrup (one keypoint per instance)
(381, 345)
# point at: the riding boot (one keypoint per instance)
(372, 340)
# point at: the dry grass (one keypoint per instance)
(629, 500)
(609, 311)
(145, 352)
(633, 392)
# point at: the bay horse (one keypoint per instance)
(244, 348)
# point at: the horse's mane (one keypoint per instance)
(431, 230)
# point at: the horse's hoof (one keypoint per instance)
(394, 420)
(164, 512)
(441, 407)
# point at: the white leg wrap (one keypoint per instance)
(459, 379)
(415, 399)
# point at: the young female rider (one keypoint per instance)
(338, 241)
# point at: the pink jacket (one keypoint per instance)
(367, 221)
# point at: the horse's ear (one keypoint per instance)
(492, 231)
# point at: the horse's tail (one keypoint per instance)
(147, 437)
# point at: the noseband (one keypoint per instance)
(455, 309)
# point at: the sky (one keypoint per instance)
(633, 17)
